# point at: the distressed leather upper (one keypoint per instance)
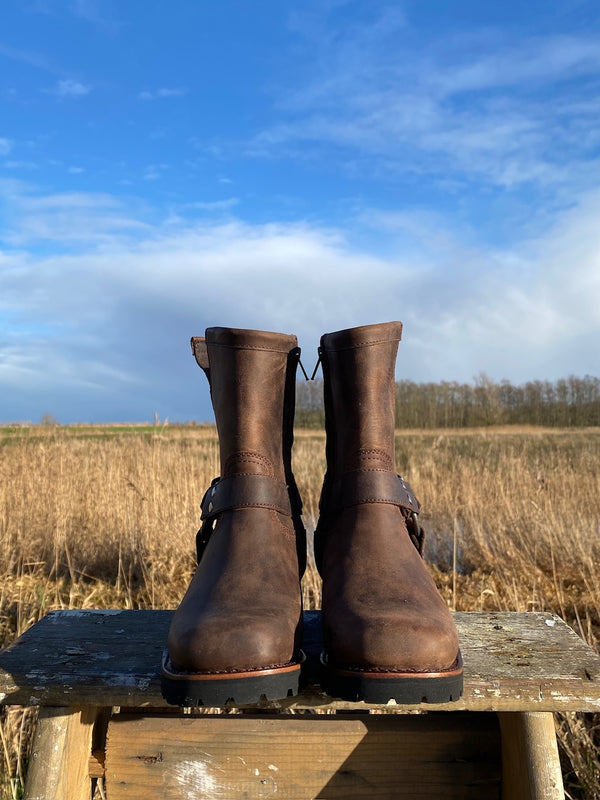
(243, 608)
(381, 608)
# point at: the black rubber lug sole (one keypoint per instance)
(246, 688)
(404, 689)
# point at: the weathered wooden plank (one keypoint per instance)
(513, 662)
(530, 764)
(59, 764)
(427, 756)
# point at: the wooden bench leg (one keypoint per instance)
(530, 763)
(60, 758)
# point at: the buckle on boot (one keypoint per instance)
(206, 504)
(207, 527)
(203, 537)
(415, 531)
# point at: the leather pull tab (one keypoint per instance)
(200, 351)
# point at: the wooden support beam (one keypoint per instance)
(59, 763)
(530, 763)
(432, 756)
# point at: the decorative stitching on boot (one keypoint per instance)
(362, 343)
(248, 457)
(374, 454)
(456, 665)
(234, 671)
(250, 347)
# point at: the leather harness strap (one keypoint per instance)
(245, 491)
(375, 486)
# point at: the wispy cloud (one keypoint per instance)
(214, 205)
(160, 94)
(70, 88)
(75, 219)
(505, 111)
(12, 164)
(88, 10)
(154, 171)
(30, 57)
(5, 146)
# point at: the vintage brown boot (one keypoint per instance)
(236, 635)
(388, 633)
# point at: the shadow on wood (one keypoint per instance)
(343, 757)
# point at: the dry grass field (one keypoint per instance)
(106, 517)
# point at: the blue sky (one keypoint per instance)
(293, 166)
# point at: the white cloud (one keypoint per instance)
(70, 88)
(30, 57)
(111, 318)
(5, 146)
(65, 218)
(20, 165)
(159, 94)
(214, 205)
(88, 10)
(153, 172)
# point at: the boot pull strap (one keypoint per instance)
(200, 351)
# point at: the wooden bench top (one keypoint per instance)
(513, 662)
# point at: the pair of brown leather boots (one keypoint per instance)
(237, 634)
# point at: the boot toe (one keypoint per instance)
(395, 645)
(231, 644)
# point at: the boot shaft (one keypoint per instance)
(359, 388)
(252, 380)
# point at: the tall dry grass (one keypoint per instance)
(106, 518)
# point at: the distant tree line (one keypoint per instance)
(563, 403)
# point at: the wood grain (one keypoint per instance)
(425, 756)
(531, 767)
(59, 763)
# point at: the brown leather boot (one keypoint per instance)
(237, 633)
(388, 633)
